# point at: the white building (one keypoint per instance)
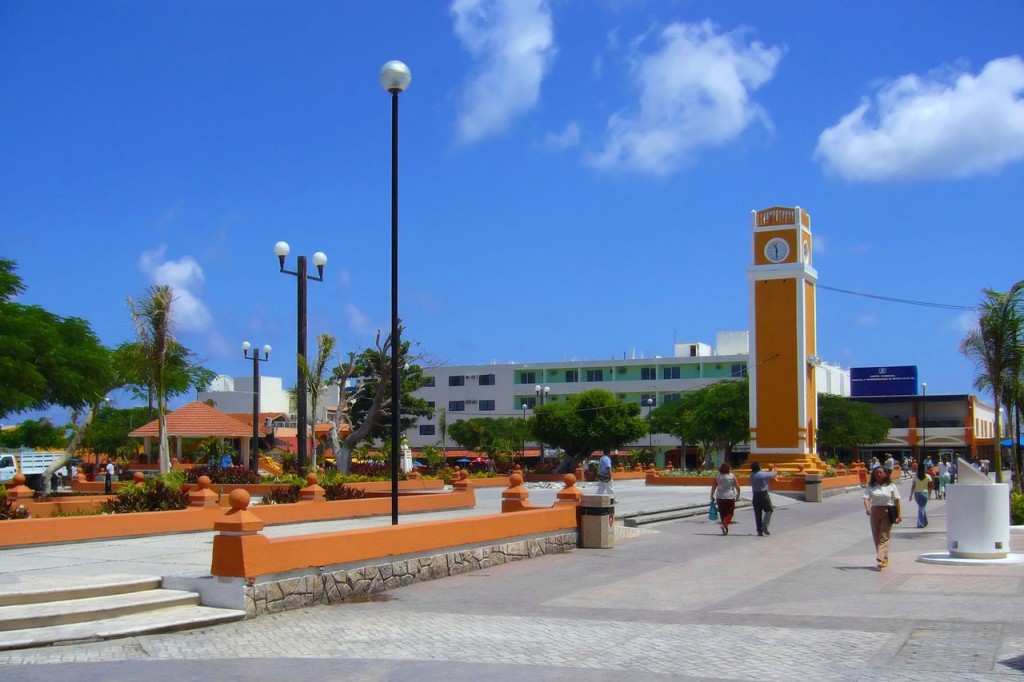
(234, 395)
(510, 390)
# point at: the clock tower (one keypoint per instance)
(783, 357)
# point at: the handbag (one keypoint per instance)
(891, 511)
(713, 511)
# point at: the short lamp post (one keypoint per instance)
(254, 451)
(395, 77)
(281, 250)
(650, 433)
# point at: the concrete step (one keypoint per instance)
(62, 588)
(164, 620)
(643, 518)
(63, 612)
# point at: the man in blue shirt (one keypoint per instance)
(762, 502)
(604, 476)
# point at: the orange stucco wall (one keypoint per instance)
(250, 556)
(777, 395)
(35, 531)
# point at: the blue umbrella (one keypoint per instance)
(1009, 442)
(463, 460)
(417, 463)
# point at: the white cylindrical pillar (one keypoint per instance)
(978, 521)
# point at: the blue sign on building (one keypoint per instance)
(869, 381)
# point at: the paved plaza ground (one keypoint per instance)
(677, 602)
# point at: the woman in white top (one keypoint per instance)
(879, 497)
(725, 491)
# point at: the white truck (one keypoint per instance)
(28, 462)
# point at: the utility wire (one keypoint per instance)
(944, 306)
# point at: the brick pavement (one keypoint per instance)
(682, 603)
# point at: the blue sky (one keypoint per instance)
(576, 176)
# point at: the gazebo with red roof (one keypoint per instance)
(197, 420)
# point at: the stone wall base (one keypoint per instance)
(338, 584)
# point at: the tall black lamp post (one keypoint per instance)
(924, 426)
(541, 392)
(254, 451)
(395, 77)
(281, 249)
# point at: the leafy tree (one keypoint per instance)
(367, 410)
(183, 372)
(34, 433)
(499, 437)
(995, 347)
(843, 424)
(108, 433)
(45, 360)
(585, 422)
(155, 328)
(673, 418)
(717, 416)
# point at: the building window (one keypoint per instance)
(486, 379)
(670, 373)
(595, 375)
(528, 403)
(669, 397)
(428, 382)
(487, 406)
(456, 405)
(527, 377)
(648, 374)
(430, 404)
(572, 376)
(426, 429)
(739, 370)
(458, 380)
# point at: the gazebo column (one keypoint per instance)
(244, 452)
(147, 446)
(177, 447)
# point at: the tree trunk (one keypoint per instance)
(165, 448)
(76, 440)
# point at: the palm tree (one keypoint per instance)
(317, 380)
(154, 326)
(995, 347)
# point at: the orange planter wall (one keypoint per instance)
(35, 531)
(249, 556)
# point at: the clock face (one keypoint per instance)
(776, 250)
(805, 251)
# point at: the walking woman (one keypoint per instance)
(725, 491)
(919, 489)
(882, 504)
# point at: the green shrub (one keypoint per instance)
(1017, 509)
(9, 511)
(224, 475)
(155, 494)
(340, 491)
(60, 513)
(282, 495)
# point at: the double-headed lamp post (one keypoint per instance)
(281, 250)
(254, 451)
(395, 77)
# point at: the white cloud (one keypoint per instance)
(184, 276)
(513, 43)
(964, 322)
(694, 92)
(358, 321)
(820, 244)
(569, 137)
(949, 123)
(868, 320)
(344, 278)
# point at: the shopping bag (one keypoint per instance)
(713, 511)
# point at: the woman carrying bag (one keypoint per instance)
(724, 493)
(882, 505)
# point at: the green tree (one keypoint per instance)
(35, 433)
(843, 424)
(46, 360)
(995, 347)
(108, 433)
(183, 371)
(674, 418)
(498, 437)
(718, 416)
(585, 422)
(154, 325)
(367, 408)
